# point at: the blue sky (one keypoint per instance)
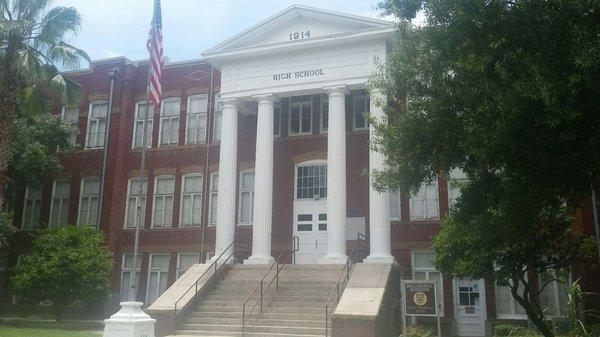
(119, 27)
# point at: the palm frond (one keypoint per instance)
(29, 10)
(5, 9)
(65, 89)
(58, 23)
(28, 63)
(67, 55)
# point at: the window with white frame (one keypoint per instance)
(311, 181)
(164, 189)
(554, 296)
(277, 119)
(324, 113)
(506, 306)
(133, 195)
(425, 204)
(158, 271)
(360, 109)
(185, 261)
(191, 200)
(59, 206)
(71, 116)
(424, 270)
(300, 116)
(96, 130)
(88, 201)
(169, 121)
(246, 197)
(395, 204)
(138, 124)
(218, 118)
(126, 270)
(32, 207)
(214, 197)
(197, 107)
(456, 178)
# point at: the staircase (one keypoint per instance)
(296, 309)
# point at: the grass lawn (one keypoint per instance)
(29, 332)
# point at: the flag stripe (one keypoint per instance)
(157, 61)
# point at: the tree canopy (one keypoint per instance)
(507, 92)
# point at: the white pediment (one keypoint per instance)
(299, 23)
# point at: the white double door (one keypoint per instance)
(469, 300)
(310, 226)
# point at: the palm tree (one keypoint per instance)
(32, 48)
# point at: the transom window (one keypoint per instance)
(425, 204)
(196, 119)
(126, 270)
(164, 188)
(311, 181)
(360, 108)
(88, 202)
(456, 178)
(133, 194)
(300, 121)
(71, 116)
(246, 197)
(214, 195)
(185, 261)
(158, 271)
(169, 121)
(32, 207)
(59, 208)
(138, 124)
(96, 125)
(423, 269)
(191, 200)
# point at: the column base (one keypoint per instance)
(130, 321)
(380, 259)
(259, 259)
(334, 259)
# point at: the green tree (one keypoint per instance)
(508, 92)
(32, 47)
(68, 266)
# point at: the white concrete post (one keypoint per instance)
(263, 181)
(379, 207)
(225, 232)
(336, 177)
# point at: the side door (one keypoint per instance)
(470, 307)
(304, 229)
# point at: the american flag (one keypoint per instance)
(157, 58)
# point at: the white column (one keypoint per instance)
(379, 207)
(336, 177)
(227, 178)
(263, 180)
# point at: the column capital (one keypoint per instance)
(230, 102)
(265, 98)
(336, 90)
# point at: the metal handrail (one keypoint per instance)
(260, 284)
(216, 270)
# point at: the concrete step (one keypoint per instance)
(238, 310)
(252, 328)
(271, 296)
(257, 320)
(275, 303)
(236, 334)
(265, 315)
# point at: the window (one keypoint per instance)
(164, 188)
(506, 306)
(554, 296)
(71, 116)
(169, 121)
(158, 270)
(300, 115)
(88, 202)
(59, 207)
(395, 204)
(277, 119)
(32, 207)
(196, 119)
(218, 118)
(246, 197)
(360, 110)
(191, 200)
(324, 113)
(126, 270)
(185, 261)
(455, 179)
(138, 124)
(423, 269)
(214, 196)
(133, 193)
(311, 181)
(96, 125)
(424, 205)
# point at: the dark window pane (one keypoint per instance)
(304, 227)
(322, 226)
(304, 217)
(322, 216)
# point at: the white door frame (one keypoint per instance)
(482, 301)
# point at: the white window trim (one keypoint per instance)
(454, 179)
(367, 110)
(178, 269)
(89, 121)
(161, 117)
(150, 124)
(427, 270)
(123, 270)
(136, 196)
(303, 164)
(218, 109)
(62, 203)
(160, 271)
(324, 99)
(189, 115)
(513, 314)
(210, 195)
(290, 105)
(239, 218)
(182, 194)
(63, 114)
(437, 204)
(30, 226)
(399, 217)
(154, 195)
(81, 186)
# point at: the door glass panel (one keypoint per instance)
(464, 299)
(304, 227)
(322, 217)
(304, 217)
(322, 226)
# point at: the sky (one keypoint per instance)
(111, 28)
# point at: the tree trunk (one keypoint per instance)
(534, 313)
(8, 106)
(59, 312)
(4, 154)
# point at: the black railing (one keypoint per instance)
(285, 255)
